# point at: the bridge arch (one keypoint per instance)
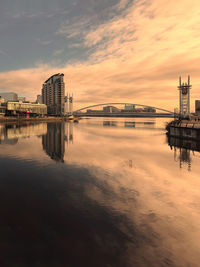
(108, 104)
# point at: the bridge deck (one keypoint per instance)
(130, 114)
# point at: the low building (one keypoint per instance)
(23, 109)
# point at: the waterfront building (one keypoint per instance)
(53, 93)
(9, 96)
(15, 108)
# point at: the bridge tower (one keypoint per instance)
(184, 98)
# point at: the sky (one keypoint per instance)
(109, 50)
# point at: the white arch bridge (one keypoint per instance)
(148, 111)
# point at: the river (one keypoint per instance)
(101, 192)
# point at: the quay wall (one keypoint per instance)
(184, 129)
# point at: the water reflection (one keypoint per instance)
(184, 150)
(120, 200)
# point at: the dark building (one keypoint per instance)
(54, 141)
(53, 94)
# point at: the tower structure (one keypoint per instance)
(184, 98)
(53, 93)
(69, 104)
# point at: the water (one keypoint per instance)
(101, 192)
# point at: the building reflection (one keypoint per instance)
(109, 123)
(54, 141)
(10, 134)
(129, 124)
(183, 150)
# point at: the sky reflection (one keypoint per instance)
(99, 185)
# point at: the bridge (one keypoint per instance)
(142, 111)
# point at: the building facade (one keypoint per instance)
(53, 94)
(14, 108)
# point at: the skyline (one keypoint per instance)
(132, 51)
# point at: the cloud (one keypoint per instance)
(137, 56)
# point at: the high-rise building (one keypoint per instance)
(53, 93)
(9, 96)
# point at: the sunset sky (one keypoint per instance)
(109, 50)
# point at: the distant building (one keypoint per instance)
(39, 99)
(94, 111)
(9, 96)
(53, 93)
(111, 109)
(149, 109)
(129, 107)
(22, 99)
(197, 107)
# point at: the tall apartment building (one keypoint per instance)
(53, 94)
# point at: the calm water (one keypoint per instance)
(101, 192)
